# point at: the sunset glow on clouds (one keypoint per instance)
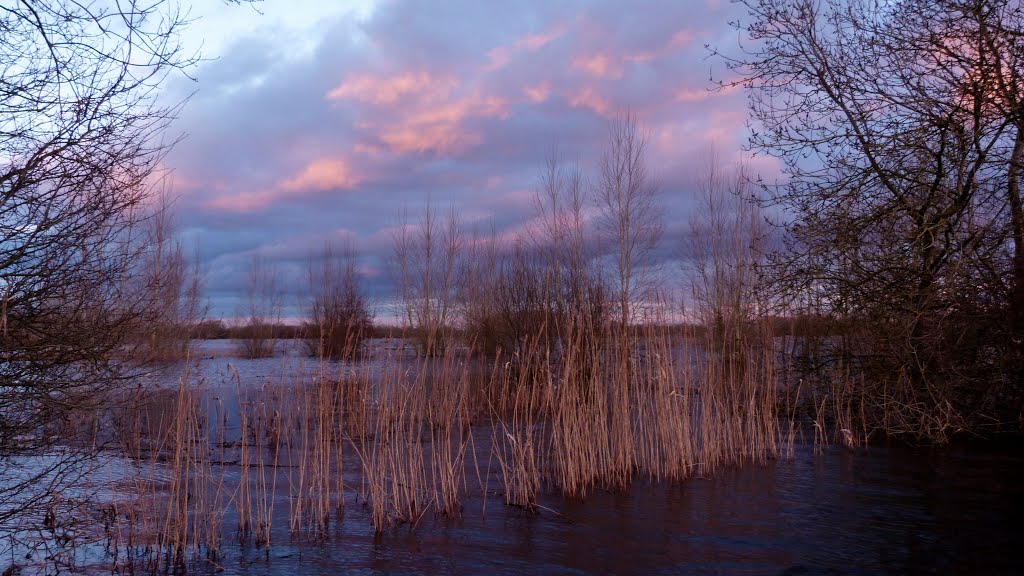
(388, 90)
(599, 65)
(501, 55)
(384, 105)
(320, 175)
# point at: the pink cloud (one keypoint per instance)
(412, 113)
(389, 89)
(187, 181)
(664, 138)
(242, 202)
(178, 179)
(535, 41)
(725, 127)
(682, 38)
(456, 111)
(690, 95)
(428, 127)
(317, 176)
(610, 64)
(439, 128)
(598, 65)
(500, 56)
(642, 57)
(589, 98)
(322, 174)
(518, 198)
(408, 139)
(721, 129)
(368, 150)
(538, 93)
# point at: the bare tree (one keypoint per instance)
(523, 300)
(574, 293)
(630, 217)
(78, 128)
(427, 256)
(725, 252)
(168, 286)
(80, 138)
(899, 128)
(478, 300)
(338, 313)
(261, 314)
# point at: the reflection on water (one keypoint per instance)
(893, 510)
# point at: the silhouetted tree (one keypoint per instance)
(427, 255)
(338, 313)
(168, 288)
(261, 314)
(725, 252)
(80, 139)
(630, 217)
(577, 299)
(900, 127)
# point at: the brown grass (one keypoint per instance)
(584, 417)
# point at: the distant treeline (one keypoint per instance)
(219, 329)
(802, 325)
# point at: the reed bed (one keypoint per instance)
(174, 512)
(407, 436)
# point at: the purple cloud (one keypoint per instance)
(453, 101)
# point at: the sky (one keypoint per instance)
(310, 121)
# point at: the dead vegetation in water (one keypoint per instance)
(558, 389)
(397, 435)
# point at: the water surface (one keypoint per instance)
(889, 509)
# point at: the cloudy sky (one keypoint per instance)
(311, 122)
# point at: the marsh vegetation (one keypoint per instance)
(877, 291)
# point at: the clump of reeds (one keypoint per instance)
(450, 427)
(517, 439)
(260, 431)
(393, 459)
(591, 412)
(196, 497)
(180, 497)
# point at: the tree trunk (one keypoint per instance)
(1017, 224)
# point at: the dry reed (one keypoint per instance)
(664, 404)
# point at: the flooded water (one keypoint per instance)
(889, 509)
